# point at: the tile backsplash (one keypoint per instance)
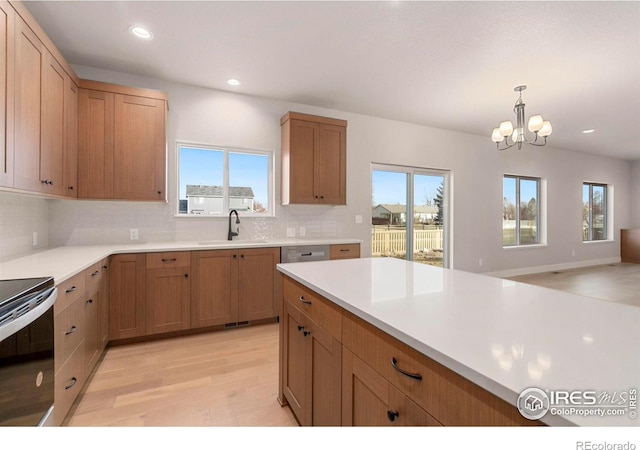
(20, 217)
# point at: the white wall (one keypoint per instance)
(20, 217)
(222, 118)
(634, 204)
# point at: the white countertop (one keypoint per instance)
(64, 262)
(502, 335)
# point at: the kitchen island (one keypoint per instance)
(499, 337)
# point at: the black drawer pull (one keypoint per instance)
(392, 415)
(306, 254)
(306, 302)
(96, 273)
(344, 249)
(168, 260)
(306, 333)
(72, 330)
(300, 328)
(90, 301)
(70, 290)
(415, 376)
(74, 380)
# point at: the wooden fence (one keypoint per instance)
(387, 242)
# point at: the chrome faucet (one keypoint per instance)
(237, 232)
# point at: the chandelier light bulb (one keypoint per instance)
(506, 128)
(496, 136)
(546, 129)
(535, 123)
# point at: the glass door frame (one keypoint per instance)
(410, 171)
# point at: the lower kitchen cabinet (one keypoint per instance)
(369, 399)
(312, 376)
(127, 291)
(230, 286)
(168, 300)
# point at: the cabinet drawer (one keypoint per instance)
(168, 259)
(321, 311)
(369, 343)
(344, 251)
(68, 383)
(94, 276)
(69, 331)
(448, 397)
(69, 291)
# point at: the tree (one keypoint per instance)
(508, 209)
(439, 203)
(258, 206)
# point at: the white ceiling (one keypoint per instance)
(445, 64)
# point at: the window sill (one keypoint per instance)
(602, 241)
(524, 247)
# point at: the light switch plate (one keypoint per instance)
(133, 234)
(302, 231)
(358, 218)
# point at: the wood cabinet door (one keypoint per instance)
(330, 165)
(296, 377)
(52, 134)
(95, 144)
(325, 367)
(168, 299)
(257, 283)
(127, 286)
(29, 63)
(303, 140)
(140, 147)
(70, 175)
(7, 18)
(214, 287)
(91, 347)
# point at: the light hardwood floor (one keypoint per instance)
(222, 378)
(613, 282)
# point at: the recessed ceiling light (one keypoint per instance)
(141, 32)
(587, 131)
(233, 82)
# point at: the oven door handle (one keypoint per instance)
(31, 316)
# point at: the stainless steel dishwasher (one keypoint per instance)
(303, 253)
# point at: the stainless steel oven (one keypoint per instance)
(26, 351)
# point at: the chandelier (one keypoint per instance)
(506, 135)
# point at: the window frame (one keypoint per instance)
(605, 212)
(518, 179)
(226, 149)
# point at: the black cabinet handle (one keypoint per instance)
(168, 260)
(306, 254)
(392, 415)
(344, 249)
(159, 192)
(241, 256)
(235, 256)
(105, 267)
(72, 330)
(306, 302)
(322, 196)
(306, 333)
(300, 327)
(414, 376)
(74, 380)
(70, 290)
(96, 273)
(70, 188)
(90, 301)
(186, 275)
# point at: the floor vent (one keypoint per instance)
(236, 324)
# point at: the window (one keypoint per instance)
(214, 180)
(594, 212)
(520, 210)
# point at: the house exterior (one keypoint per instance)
(396, 214)
(208, 200)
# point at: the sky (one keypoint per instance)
(528, 190)
(391, 187)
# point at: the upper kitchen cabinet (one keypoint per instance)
(122, 144)
(7, 17)
(314, 160)
(37, 106)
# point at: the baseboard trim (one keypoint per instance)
(552, 267)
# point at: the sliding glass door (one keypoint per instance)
(409, 214)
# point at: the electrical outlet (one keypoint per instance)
(302, 231)
(573, 253)
(133, 234)
(291, 232)
(358, 218)
(34, 238)
(480, 262)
